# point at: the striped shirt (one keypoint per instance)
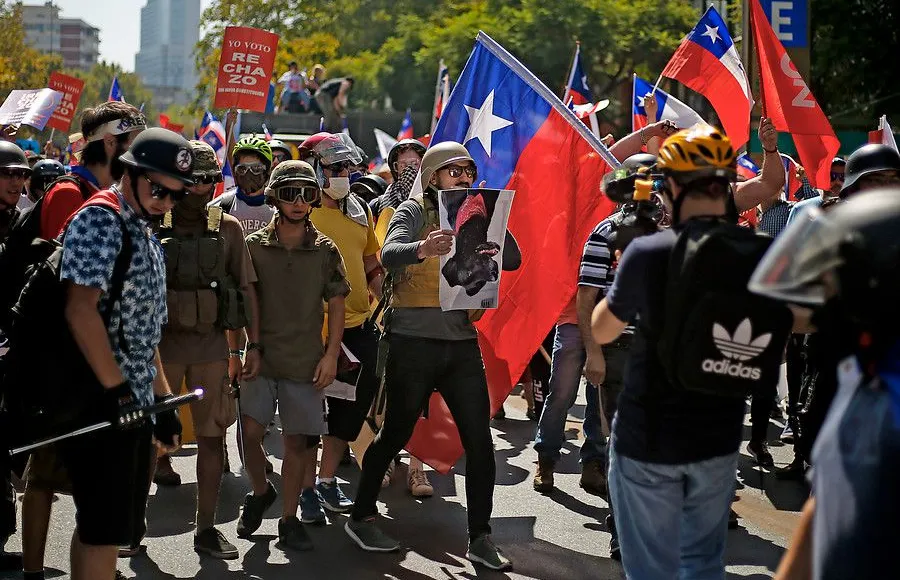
(597, 269)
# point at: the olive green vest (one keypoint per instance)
(200, 295)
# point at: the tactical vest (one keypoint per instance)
(200, 295)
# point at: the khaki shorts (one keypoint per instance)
(216, 411)
(46, 471)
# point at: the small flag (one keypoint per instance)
(577, 88)
(406, 128)
(441, 94)
(266, 134)
(708, 62)
(115, 92)
(746, 167)
(884, 134)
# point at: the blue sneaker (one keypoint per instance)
(332, 497)
(311, 511)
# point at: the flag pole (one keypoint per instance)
(656, 86)
(568, 81)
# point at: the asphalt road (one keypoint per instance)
(558, 536)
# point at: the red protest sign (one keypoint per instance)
(71, 88)
(245, 67)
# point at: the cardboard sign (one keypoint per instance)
(30, 107)
(245, 68)
(71, 88)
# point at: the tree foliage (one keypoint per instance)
(21, 67)
(392, 47)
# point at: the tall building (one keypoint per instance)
(74, 39)
(170, 29)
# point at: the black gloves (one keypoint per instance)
(168, 425)
(120, 407)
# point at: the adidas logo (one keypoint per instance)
(739, 347)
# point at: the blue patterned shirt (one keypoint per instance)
(91, 244)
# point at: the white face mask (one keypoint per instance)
(338, 187)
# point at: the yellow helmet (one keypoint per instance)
(698, 152)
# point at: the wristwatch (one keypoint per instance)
(256, 346)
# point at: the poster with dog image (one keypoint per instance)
(470, 273)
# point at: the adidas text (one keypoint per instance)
(726, 367)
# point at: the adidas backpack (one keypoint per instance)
(718, 338)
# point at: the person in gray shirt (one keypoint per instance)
(432, 350)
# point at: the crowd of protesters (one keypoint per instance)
(255, 294)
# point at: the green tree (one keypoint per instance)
(21, 67)
(97, 81)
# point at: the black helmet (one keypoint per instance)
(279, 145)
(12, 157)
(618, 185)
(44, 173)
(369, 187)
(868, 159)
(161, 151)
(639, 160)
(856, 240)
(398, 148)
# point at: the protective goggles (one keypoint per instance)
(161, 192)
(399, 166)
(456, 170)
(245, 168)
(14, 173)
(118, 127)
(308, 194)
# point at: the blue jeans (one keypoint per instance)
(565, 376)
(672, 520)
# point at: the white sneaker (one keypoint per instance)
(418, 483)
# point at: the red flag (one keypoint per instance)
(163, 120)
(788, 102)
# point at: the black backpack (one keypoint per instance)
(48, 387)
(718, 338)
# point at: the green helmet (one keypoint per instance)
(291, 172)
(254, 145)
(206, 165)
(441, 155)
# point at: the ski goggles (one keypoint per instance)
(245, 168)
(161, 192)
(308, 194)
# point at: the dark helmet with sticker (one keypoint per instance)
(161, 151)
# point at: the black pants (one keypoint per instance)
(615, 355)
(415, 368)
(796, 361)
(761, 411)
(345, 418)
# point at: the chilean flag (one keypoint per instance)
(115, 92)
(708, 63)
(577, 87)
(406, 128)
(441, 93)
(746, 167)
(522, 137)
(668, 108)
(212, 131)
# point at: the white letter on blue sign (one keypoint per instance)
(779, 19)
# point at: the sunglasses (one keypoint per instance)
(837, 176)
(254, 168)
(455, 171)
(280, 156)
(338, 167)
(290, 194)
(15, 173)
(207, 179)
(161, 192)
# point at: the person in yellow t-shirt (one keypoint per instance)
(347, 220)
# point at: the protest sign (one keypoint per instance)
(470, 273)
(245, 67)
(29, 107)
(71, 88)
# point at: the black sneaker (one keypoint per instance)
(732, 520)
(10, 561)
(795, 470)
(254, 508)
(760, 452)
(292, 534)
(213, 543)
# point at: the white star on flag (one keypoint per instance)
(483, 122)
(712, 32)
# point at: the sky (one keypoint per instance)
(119, 22)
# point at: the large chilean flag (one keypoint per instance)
(707, 62)
(522, 137)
